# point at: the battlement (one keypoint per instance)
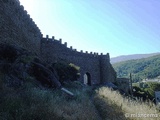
(71, 49)
(19, 26)
(30, 34)
(27, 32)
(12, 7)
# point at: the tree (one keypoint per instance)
(66, 71)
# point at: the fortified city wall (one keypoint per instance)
(16, 27)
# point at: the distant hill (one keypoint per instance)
(131, 57)
(140, 68)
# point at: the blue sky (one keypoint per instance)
(118, 27)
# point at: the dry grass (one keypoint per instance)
(33, 103)
(112, 106)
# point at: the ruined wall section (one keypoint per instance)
(107, 72)
(112, 74)
(53, 50)
(16, 26)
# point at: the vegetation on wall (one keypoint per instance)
(140, 69)
(66, 71)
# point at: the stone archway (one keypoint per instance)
(87, 79)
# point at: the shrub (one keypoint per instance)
(141, 93)
(146, 90)
(153, 86)
(66, 71)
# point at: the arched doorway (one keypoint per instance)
(87, 79)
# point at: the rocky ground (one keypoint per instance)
(17, 65)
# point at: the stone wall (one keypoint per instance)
(123, 84)
(98, 66)
(16, 26)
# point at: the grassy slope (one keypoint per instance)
(31, 102)
(115, 107)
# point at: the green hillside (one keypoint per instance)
(140, 68)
